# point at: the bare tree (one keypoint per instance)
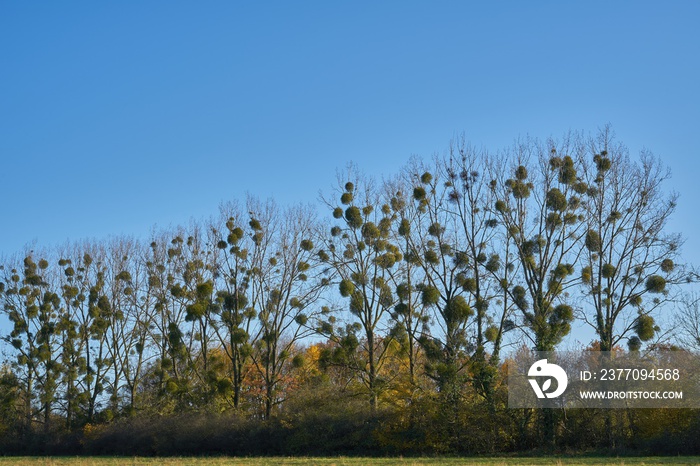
(630, 261)
(32, 308)
(362, 257)
(541, 210)
(688, 322)
(286, 282)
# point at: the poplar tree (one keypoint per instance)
(411, 319)
(540, 207)
(286, 283)
(363, 258)
(236, 323)
(32, 308)
(630, 261)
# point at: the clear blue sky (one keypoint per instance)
(118, 116)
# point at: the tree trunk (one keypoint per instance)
(372, 376)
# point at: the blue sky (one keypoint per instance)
(116, 117)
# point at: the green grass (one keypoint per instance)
(343, 461)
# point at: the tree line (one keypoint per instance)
(385, 308)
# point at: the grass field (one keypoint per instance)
(342, 461)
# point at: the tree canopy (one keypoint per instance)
(395, 303)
